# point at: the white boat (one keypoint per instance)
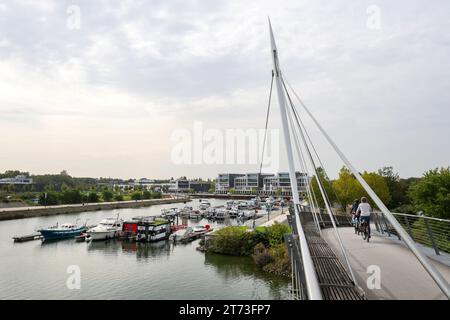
(108, 228)
(202, 228)
(204, 205)
(180, 234)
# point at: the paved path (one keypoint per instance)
(402, 275)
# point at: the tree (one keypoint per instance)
(136, 195)
(397, 187)
(71, 196)
(107, 195)
(431, 194)
(347, 187)
(378, 185)
(118, 197)
(146, 195)
(93, 197)
(327, 186)
(48, 198)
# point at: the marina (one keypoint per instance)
(147, 270)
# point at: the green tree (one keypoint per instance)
(48, 198)
(107, 195)
(398, 188)
(118, 197)
(146, 195)
(71, 196)
(327, 185)
(378, 185)
(136, 195)
(347, 187)
(431, 194)
(156, 195)
(93, 197)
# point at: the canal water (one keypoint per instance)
(125, 270)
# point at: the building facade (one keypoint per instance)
(17, 180)
(265, 184)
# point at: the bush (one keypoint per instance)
(156, 195)
(261, 256)
(93, 197)
(281, 263)
(48, 198)
(136, 195)
(107, 195)
(118, 197)
(146, 195)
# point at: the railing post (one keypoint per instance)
(430, 234)
(408, 227)
(387, 227)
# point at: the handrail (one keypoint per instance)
(420, 216)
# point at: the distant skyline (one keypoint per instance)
(99, 88)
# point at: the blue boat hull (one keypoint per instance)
(62, 234)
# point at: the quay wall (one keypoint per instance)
(28, 212)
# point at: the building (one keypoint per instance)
(225, 182)
(18, 180)
(264, 184)
(179, 186)
(200, 186)
(250, 182)
(281, 183)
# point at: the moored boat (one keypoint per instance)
(108, 228)
(63, 231)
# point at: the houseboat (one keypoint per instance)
(153, 229)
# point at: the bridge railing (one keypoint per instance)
(431, 232)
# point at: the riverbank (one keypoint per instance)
(39, 211)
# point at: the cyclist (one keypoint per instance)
(355, 218)
(364, 209)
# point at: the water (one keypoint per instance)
(125, 270)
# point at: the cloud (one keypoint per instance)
(161, 65)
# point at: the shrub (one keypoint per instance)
(136, 195)
(118, 197)
(146, 195)
(261, 255)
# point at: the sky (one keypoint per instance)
(117, 88)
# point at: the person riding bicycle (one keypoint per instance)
(364, 209)
(355, 217)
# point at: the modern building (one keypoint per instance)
(17, 180)
(200, 186)
(250, 182)
(264, 184)
(281, 183)
(179, 186)
(225, 182)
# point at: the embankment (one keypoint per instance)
(28, 212)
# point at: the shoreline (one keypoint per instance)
(40, 211)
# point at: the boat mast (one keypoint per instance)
(312, 285)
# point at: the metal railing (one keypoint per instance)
(428, 231)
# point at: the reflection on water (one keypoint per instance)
(125, 270)
(230, 267)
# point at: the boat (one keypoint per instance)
(169, 213)
(108, 228)
(151, 229)
(180, 234)
(63, 231)
(204, 205)
(204, 228)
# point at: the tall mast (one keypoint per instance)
(312, 285)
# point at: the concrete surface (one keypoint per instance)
(402, 276)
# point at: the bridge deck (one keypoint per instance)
(402, 276)
(334, 281)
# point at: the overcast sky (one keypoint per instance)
(103, 97)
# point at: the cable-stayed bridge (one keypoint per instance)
(327, 258)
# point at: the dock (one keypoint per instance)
(29, 237)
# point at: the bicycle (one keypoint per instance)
(364, 230)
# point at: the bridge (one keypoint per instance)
(407, 256)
